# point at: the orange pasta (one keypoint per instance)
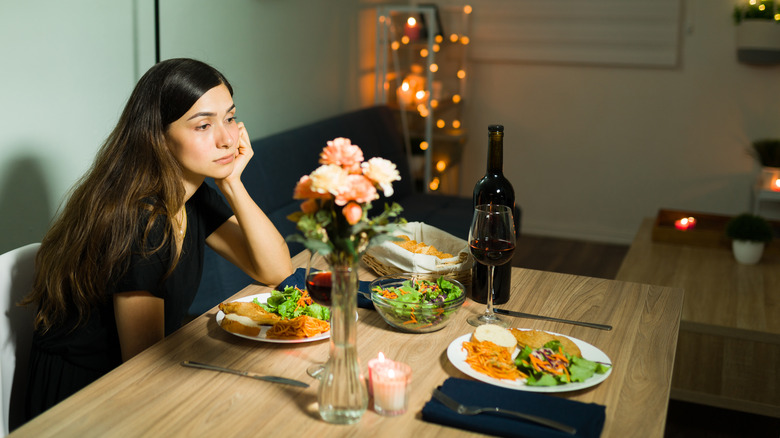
(303, 326)
(492, 360)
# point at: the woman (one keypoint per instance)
(121, 264)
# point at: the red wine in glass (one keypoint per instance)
(319, 283)
(493, 252)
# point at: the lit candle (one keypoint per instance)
(389, 385)
(405, 93)
(372, 364)
(776, 185)
(411, 29)
(685, 223)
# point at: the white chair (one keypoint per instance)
(16, 327)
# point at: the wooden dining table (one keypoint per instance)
(154, 395)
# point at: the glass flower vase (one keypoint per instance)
(342, 395)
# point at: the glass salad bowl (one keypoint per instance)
(417, 303)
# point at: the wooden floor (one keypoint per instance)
(600, 260)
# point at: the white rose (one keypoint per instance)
(329, 178)
(382, 172)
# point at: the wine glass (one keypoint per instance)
(492, 243)
(318, 284)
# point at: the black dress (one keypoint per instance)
(64, 359)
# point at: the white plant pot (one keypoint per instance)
(758, 42)
(747, 252)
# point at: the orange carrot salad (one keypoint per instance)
(490, 359)
(303, 326)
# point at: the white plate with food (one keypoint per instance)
(262, 335)
(457, 356)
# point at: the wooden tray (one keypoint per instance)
(710, 229)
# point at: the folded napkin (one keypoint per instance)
(298, 279)
(587, 418)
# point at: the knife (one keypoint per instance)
(274, 379)
(550, 318)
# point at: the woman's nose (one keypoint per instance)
(226, 137)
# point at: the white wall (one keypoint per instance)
(67, 69)
(289, 61)
(591, 150)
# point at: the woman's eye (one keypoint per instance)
(231, 119)
(202, 127)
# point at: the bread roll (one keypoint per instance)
(243, 325)
(495, 334)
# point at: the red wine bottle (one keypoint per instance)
(494, 188)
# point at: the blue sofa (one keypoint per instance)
(281, 159)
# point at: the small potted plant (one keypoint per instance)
(749, 234)
(758, 31)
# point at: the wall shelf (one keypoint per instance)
(420, 73)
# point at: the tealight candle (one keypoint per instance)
(776, 185)
(389, 384)
(685, 223)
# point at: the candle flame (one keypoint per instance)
(381, 357)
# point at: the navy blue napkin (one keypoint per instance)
(587, 418)
(298, 279)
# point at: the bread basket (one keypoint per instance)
(390, 258)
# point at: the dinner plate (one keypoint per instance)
(262, 298)
(457, 355)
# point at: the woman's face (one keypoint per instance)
(204, 140)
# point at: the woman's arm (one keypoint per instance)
(140, 321)
(249, 239)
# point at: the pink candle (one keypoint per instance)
(389, 384)
(373, 364)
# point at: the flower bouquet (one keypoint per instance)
(334, 221)
(337, 196)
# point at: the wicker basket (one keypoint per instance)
(390, 260)
(463, 276)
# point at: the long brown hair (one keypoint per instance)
(134, 181)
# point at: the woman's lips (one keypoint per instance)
(227, 159)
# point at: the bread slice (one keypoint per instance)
(251, 310)
(243, 325)
(495, 334)
(537, 338)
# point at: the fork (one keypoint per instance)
(473, 410)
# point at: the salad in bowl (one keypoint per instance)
(417, 303)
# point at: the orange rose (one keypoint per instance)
(352, 212)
